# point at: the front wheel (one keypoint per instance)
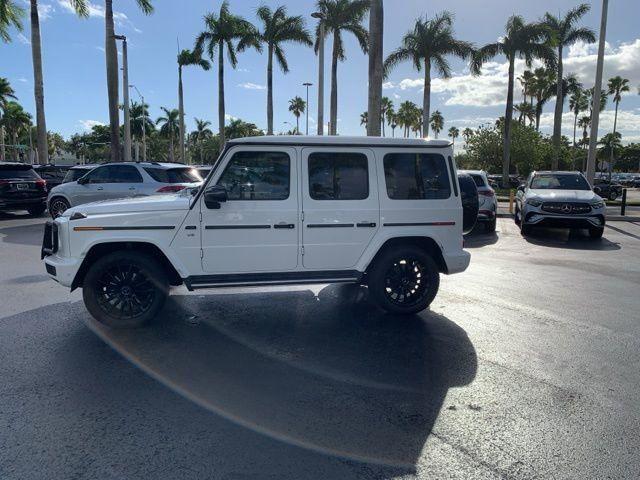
(125, 289)
(596, 232)
(404, 280)
(57, 206)
(38, 210)
(613, 195)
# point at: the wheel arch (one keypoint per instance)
(428, 244)
(100, 249)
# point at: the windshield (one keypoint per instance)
(555, 181)
(174, 175)
(11, 172)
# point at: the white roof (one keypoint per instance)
(339, 140)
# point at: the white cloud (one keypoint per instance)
(44, 10)
(89, 124)
(22, 79)
(98, 11)
(24, 40)
(490, 88)
(230, 118)
(243, 70)
(252, 86)
(628, 123)
(388, 85)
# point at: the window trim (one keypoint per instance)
(444, 160)
(334, 152)
(226, 165)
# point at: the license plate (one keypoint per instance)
(22, 186)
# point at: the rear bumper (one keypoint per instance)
(22, 203)
(486, 215)
(457, 262)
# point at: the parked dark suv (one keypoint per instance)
(21, 188)
(53, 174)
(607, 189)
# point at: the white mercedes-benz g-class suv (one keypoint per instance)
(385, 213)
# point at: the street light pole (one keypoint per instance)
(125, 98)
(595, 110)
(144, 125)
(320, 17)
(307, 84)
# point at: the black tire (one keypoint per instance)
(613, 194)
(596, 232)
(525, 229)
(37, 210)
(57, 206)
(490, 226)
(139, 287)
(397, 287)
(516, 216)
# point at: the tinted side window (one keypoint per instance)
(416, 176)
(174, 175)
(257, 176)
(98, 175)
(124, 174)
(338, 176)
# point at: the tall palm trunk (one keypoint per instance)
(538, 113)
(376, 24)
(38, 84)
(557, 116)
(171, 147)
(333, 116)
(111, 54)
(181, 113)
(615, 125)
(573, 155)
(270, 92)
(221, 94)
(426, 96)
(2, 147)
(508, 115)
(297, 124)
(16, 150)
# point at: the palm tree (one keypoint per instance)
(221, 31)
(611, 144)
(169, 125)
(239, 128)
(393, 122)
(278, 28)
(437, 122)
(467, 133)
(526, 80)
(202, 132)
(617, 86)
(187, 58)
(526, 112)
(454, 133)
(141, 122)
(6, 93)
(14, 121)
(364, 120)
(603, 99)
(386, 112)
(340, 16)
(542, 89)
(562, 32)
(522, 40)
(428, 45)
(10, 16)
(406, 116)
(297, 106)
(375, 108)
(578, 102)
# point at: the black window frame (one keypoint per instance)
(107, 167)
(226, 166)
(330, 152)
(447, 167)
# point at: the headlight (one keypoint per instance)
(597, 204)
(534, 202)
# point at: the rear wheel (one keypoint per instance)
(525, 229)
(613, 194)
(125, 289)
(404, 280)
(596, 232)
(516, 216)
(490, 226)
(37, 210)
(57, 206)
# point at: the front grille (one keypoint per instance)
(566, 208)
(49, 240)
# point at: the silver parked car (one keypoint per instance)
(487, 202)
(122, 180)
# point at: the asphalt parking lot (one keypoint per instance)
(526, 366)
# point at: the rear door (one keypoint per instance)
(108, 182)
(340, 206)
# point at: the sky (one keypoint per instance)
(75, 80)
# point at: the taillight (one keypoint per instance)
(487, 193)
(4, 182)
(171, 189)
(41, 183)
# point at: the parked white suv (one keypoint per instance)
(385, 213)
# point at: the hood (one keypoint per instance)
(563, 195)
(153, 203)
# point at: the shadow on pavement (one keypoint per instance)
(325, 372)
(573, 239)
(24, 234)
(479, 238)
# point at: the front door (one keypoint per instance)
(108, 182)
(256, 230)
(340, 205)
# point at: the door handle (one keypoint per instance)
(132, 188)
(100, 188)
(366, 225)
(286, 225)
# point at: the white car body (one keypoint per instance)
(293, 240)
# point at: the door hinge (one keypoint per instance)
(302, 250)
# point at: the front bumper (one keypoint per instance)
(564, 221)
(62, 270)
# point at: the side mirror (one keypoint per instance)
(596, 189)
(83, 180)
(521, 187)
(214, 196)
